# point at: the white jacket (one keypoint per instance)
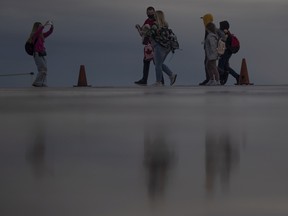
(211, 44)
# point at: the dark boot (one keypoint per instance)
(146, 66)
(141, 82)
(206, 74)
(204, 82)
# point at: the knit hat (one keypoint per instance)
(224, 25)
(207, 18)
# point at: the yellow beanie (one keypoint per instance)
(207, 18)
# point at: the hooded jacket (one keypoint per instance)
(211, 43)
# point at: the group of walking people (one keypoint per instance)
(215, 75)
(154, 50)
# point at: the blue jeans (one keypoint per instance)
(160, 54)
(41, 63)
(224, 66)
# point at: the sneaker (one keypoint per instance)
(173, 79)
(157, 84)
(211, 83)
(141, 82)
(218, 82)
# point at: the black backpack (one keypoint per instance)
(29, 47)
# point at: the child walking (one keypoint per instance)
(211, 53)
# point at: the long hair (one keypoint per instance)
(34, 29)
(160, 19)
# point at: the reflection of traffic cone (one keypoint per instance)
(82, 81)
(244, 78)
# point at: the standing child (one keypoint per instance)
(37, 36)
(211, 44)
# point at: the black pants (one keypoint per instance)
(146, 67)
(224, 67)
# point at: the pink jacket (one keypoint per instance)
(39, 45)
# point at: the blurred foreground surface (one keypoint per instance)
(203, 151)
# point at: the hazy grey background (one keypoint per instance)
(101, 35)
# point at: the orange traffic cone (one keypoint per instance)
(244, 78)
(82, 81)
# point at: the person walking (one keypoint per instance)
(211, 53)
(37, 36)
(161, 48)
(148, 50)
(223, 63)
(207, 18)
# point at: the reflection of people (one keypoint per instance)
(157, 160)
(36, 154)
(37, 36)
(221, 156)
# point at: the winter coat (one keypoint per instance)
(40, 36)
(211, 43)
